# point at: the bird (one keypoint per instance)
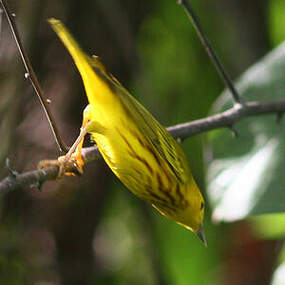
(137, 148)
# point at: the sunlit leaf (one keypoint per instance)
(245, 174)
(278, 277)
(269, 226)
(277, 21)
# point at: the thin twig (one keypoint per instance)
(210, 51)
(224, 119)
(227, 118)
(32, 77)
(1, 12)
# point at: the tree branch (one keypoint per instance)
(210, 51)
(30, 74)
(227, 118)
(181, 131)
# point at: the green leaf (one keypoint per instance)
(246, 174)
(277, 21)
(269, 226)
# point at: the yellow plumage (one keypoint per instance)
(141, 153)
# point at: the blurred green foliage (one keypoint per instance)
(245, 174)
(277, 21)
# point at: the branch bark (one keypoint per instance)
(227, 118)
(31, 75)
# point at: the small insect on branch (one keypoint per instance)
(210, 51)
(30, 74)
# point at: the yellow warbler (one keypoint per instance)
(141, 153)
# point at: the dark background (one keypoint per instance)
(90, 230)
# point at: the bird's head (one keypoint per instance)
(190, 212)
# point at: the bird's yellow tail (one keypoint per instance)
(98, 84)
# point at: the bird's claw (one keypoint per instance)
(67, 166)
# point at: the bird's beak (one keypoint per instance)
(201, 236)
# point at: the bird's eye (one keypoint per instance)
(202, 206)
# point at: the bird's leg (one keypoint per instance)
(73, 156)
